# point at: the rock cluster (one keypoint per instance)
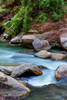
(12, 87)
(53, 56)
(26, 68)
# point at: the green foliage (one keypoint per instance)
(3, 9)
(16, 9)
(41, 17)
(34, 10)
(6, 1)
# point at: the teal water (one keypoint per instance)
(9, 55)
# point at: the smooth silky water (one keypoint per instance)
(41, 88)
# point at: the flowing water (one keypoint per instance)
(9, 55)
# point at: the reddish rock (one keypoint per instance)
(61, 72)
(28, 39)
(51, 37)
(50, 31)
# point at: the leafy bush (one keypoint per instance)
(34, 10)
(2, 9)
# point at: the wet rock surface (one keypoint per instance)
(61, 72)
(57, 56)
(11, 86)
(43, 54)
(53, 56)
(7, 69)
(26, 68)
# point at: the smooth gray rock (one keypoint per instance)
(63, 41)
(10, 86)
(41, 45)
(26, 68)
(61, 72)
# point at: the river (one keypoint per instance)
(41, 88)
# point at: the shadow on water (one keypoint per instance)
(49, 92)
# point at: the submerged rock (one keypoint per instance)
(26, 68)
(61, 72)
(10, 86)
(41, 66)
(54, 56)
(26, 51)
(40, 45)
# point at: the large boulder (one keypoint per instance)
(26, 68)
(43, 54)
(61, 72)
(10, 86)
(63, 40)
(27, 40)
(40, 45)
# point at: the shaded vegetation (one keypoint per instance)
(28, 11)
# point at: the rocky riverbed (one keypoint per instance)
(23, 73)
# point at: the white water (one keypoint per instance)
(9, 56)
